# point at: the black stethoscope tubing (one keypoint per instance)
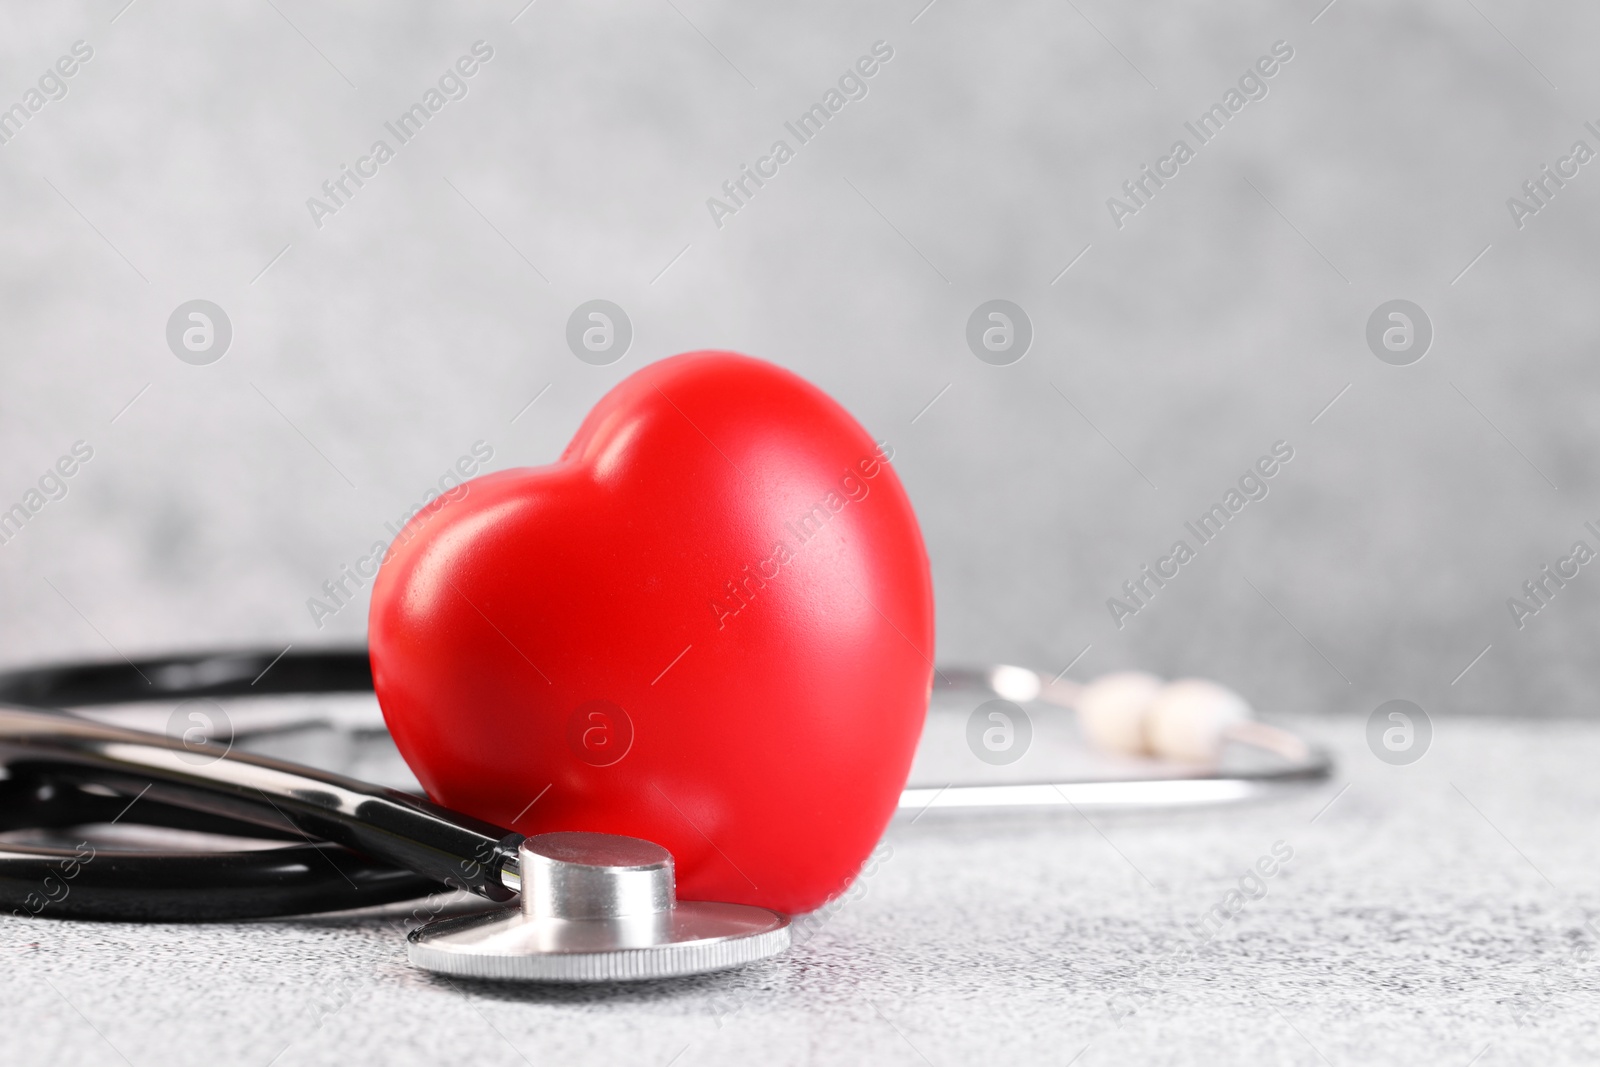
(353, 844)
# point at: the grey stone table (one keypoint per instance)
(1434, 913)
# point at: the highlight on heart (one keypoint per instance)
(739, 591)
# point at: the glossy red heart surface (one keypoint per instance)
(709, 624)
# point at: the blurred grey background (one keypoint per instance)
(371, 352)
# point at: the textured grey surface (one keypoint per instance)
(1423, 913)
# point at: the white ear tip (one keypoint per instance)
(1187, 719)
(1111, 710)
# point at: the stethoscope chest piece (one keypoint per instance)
(597, 908)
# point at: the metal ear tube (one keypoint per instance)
(1114, 714)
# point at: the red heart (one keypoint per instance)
(709, 625)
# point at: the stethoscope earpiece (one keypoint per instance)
(1136, 714)
(1113, 708)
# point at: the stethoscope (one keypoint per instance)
(588, 906)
